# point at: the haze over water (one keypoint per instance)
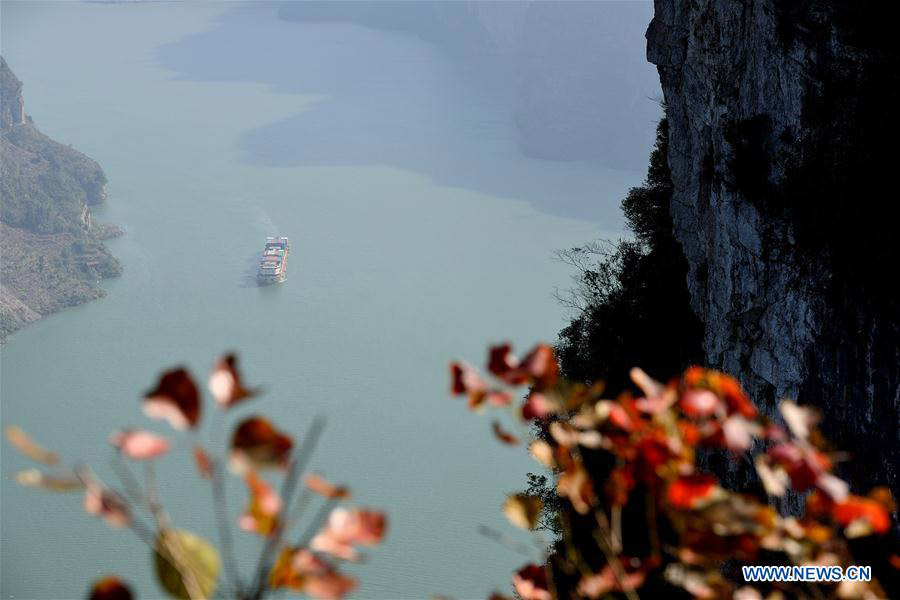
(419, 234)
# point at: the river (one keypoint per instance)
(419, 234)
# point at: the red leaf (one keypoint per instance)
(203, 462)
(541, 366)
(348, 527)
(174, 399)
(498, 398)
(110, 588)
(575, 485)
(139, 444)
(257, 444)
(302, 571)
(530, 582)
(466, 380)
(503, 364)
(699, 403)
(619, 417)
(599, 585)
(690, 433)
(619, 485)
(538, 406)
(225, 383)
(107, 505)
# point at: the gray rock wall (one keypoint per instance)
(738, 88)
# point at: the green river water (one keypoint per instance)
(419, 234)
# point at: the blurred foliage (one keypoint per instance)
(633, 291)
(635, 513)
(186, 565)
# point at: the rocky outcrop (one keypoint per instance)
(12, 106)
(52, 256)
(781, 132)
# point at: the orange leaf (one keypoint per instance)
(261, 515)
(734, 395)
(302, 571)
(692, 491)
(323, 487)
(860, 511)
(502, 435)
(20, 440)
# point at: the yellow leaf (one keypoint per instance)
(187, 566)
(51, 483)
(24, 444)
(523, 510)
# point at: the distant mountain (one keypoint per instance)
(583, 88)
(52, 253)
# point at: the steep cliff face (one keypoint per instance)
(782, 135)
(52, 255)
(12, 106)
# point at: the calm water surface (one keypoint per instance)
(419, 234)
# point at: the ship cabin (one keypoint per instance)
(273, 243)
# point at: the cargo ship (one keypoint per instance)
(273, 264)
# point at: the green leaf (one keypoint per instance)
(187, 566)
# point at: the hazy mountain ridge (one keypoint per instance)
(552, 53)
(51, 250)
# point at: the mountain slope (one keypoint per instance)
(52, 253)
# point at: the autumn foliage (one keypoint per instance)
(188, 566)
(636, 513)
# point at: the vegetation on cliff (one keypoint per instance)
(632, 291)
(52, 253)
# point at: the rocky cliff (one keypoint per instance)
(52, 254)
(783, 140)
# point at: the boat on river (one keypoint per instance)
(273, 263)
